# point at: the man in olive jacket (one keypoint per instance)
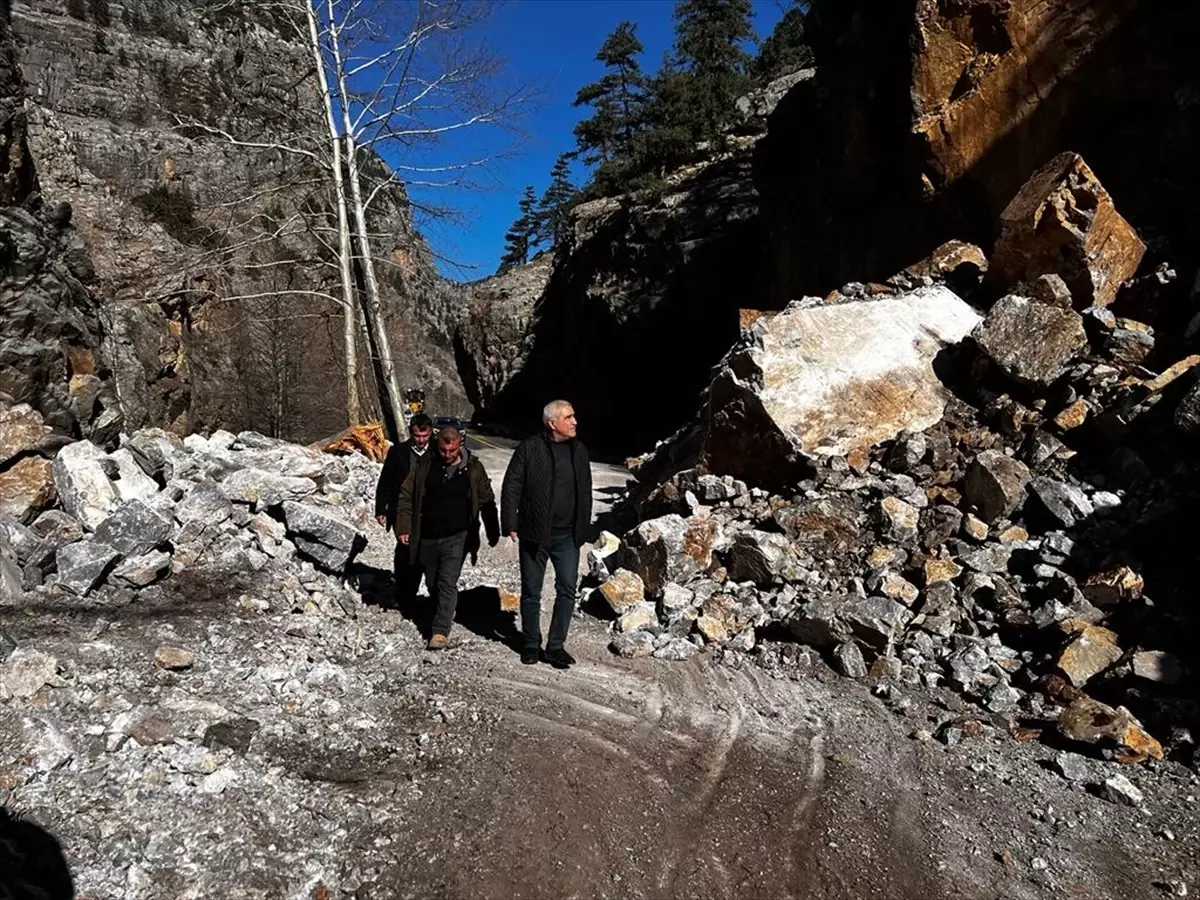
(437, 520)
(546, 502)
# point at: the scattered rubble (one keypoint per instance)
(968, 537)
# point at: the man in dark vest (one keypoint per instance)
(396, 466)
(437, 522)
(546, 503)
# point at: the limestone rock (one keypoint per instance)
(206, 504)
(623, 591)
(174, 659)
(27, 488)
(1091, 650)
(83, 565)
(1092, 722)
(1064, 222)
(130, 481)
(635, 645)
(829, 379)
(849, 660)
(677, 649)
(143, 570)
(262, 488)
(1031, 342)
(605, 546)
(1065, 502)
(328, 540)
(676, 599)
(84, 488)
(1158, 666)
(995, 485)
(11, 590)
(638, 617)
(669, 548)
(26, 672)
(1119, 789)
(1051, 290)
(133, 528)
(22, 431)
(900, 519)
(759, 556)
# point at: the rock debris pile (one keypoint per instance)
(930, 495)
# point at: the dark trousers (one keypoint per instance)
(407, 574)
(563, 552)
(442, 559)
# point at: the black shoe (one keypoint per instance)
(560, 658)
(529, 656)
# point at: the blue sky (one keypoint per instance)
(550, 45)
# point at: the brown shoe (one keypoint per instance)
(436, 642)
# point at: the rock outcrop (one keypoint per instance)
(931, 115)
(108, 90)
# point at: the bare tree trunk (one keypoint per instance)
(375, 318)
(349, 311)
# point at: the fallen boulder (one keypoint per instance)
(27, 488)
(1089, 721)
(83, 565)
(326, 539)
(1031, 342)
(828, 380)
(1063, 222)
(84, 488)
(623, 591)
(759, 556)
(22, 432)
(995, 485)
(669, 548)
(134, 529)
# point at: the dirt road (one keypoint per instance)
(349, 762)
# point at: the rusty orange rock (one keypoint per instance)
(1063, 222)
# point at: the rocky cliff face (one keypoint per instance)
(630, 314)
(107, 90)
(49, 304)
(933, 116)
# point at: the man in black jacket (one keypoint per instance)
(396, 466)
(437, 522)
(546, 503)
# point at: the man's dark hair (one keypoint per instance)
(420, 420)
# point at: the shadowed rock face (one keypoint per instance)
(933, 115)
(630, 315)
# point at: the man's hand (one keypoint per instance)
(382, 520)
(512, 536)
(404, 538)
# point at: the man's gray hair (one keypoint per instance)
(554, 409)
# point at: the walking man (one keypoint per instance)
(396, 466)
(437, 522)
(546, 504)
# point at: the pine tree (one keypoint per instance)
(554, 209)
(616, 99)
(708, 44)
(668, 139)
(785, 50)
(522, 234)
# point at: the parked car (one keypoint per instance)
(440, 422)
